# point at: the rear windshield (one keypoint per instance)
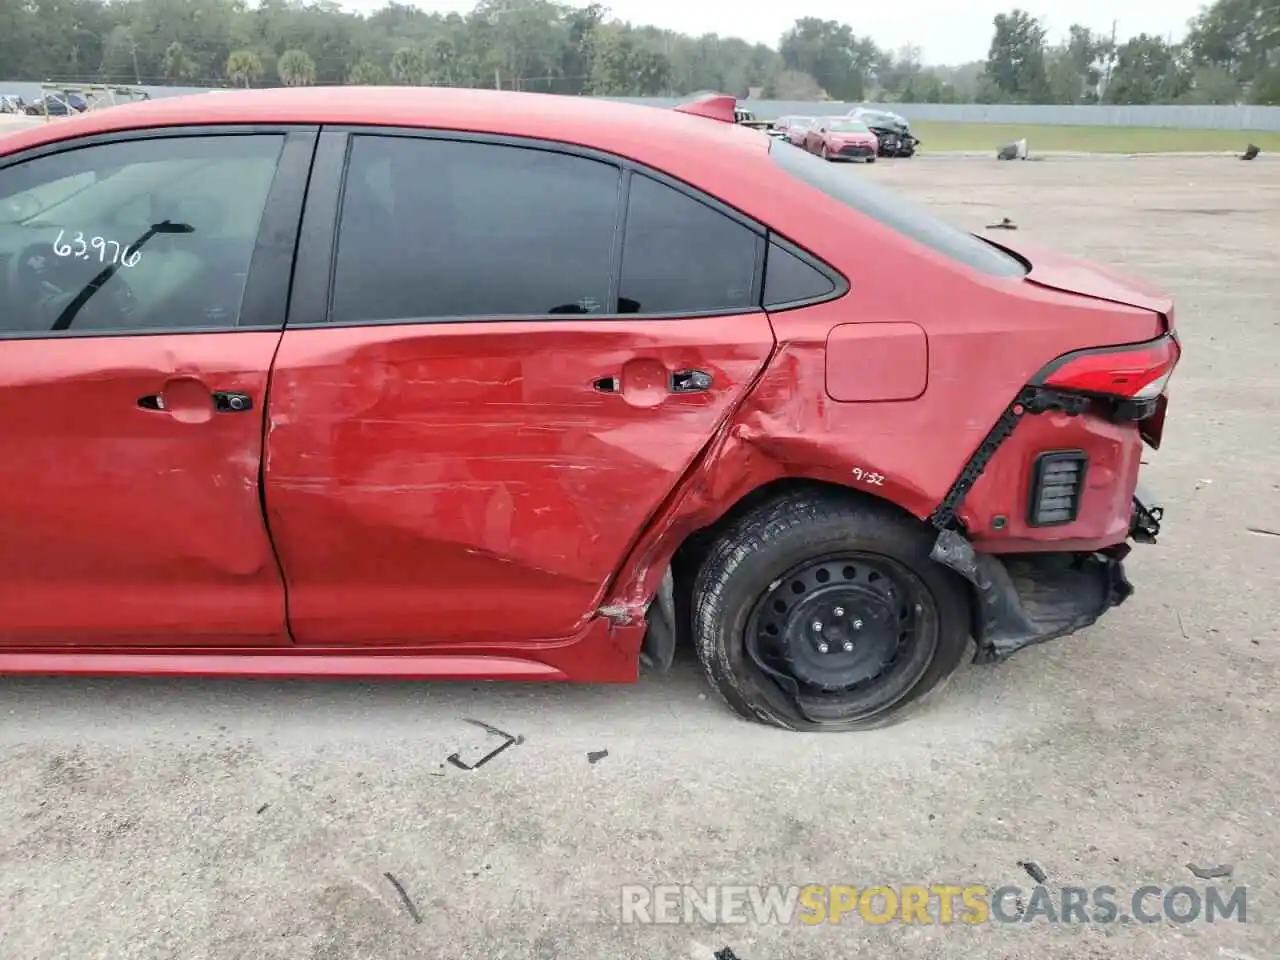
(848, 126)
(898, 213)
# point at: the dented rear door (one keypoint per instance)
(466, 437)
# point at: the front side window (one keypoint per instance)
(142, 235)
(439, 229)
(680, 255)
(900, 214)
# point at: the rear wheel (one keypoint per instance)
(823, 153)
(822, 612)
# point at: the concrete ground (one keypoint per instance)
(145, 819)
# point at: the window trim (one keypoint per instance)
(267, 284)
(315, 271)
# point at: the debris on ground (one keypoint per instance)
(263, 809)
(595, 756)
(509, 741)
(726, 954)
(1251, 151)
(404, 898)
(1211, 873)
(1004, 224)
(1013, 151)
(1034, 870)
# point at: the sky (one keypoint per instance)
(947, 31)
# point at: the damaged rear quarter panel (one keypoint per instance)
(986, 338)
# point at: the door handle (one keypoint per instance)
(606, 385)
(222, 402)
(690, 381)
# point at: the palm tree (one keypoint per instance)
(244, 68)
(296, 69)
(366, 74)
(177, 64)
(408, 66)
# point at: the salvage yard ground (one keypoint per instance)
(165, 819)
(987, 137)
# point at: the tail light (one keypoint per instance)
(1138, 371)
(1130, 379)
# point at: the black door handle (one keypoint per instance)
(690, 381)
(232, 402)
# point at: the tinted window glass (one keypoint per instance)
(788, 279)
(899, 214)
(440, 228)
(141, 234)
(681, 256)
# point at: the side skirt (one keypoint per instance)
(603, 653)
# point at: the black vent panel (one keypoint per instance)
(1057, 485)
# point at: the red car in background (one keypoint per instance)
(840, 138)
(465, 384)
(793, 129)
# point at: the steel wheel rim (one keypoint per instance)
(877, 619)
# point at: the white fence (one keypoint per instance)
(1197, 117)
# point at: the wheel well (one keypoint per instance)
(690, 555)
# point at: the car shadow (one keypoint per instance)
(674, 703)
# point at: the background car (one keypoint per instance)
(57, 105)
(892, 131)
(841, 138)
(792, 128)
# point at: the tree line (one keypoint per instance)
(1231, 53)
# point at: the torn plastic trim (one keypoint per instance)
(1032, 598)
(659, 647)
(1030, 400)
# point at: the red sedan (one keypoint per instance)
(465, 384)
(839, 138)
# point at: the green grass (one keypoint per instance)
(989, 136)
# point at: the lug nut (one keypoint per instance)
(838, 611)
(857, 624)
(848, 646)
(823, 648)
(817, 625)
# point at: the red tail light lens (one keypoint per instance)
(1137, 371)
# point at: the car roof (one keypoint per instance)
(630, 130)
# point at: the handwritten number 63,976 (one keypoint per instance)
(95, 248)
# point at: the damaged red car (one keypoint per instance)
(446, 384)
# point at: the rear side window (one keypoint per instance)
(900, 214)
(680, 255)
(789, 281)
(437, 229)
(147, 234)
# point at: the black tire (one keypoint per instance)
(757, 553)
(823, 153)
